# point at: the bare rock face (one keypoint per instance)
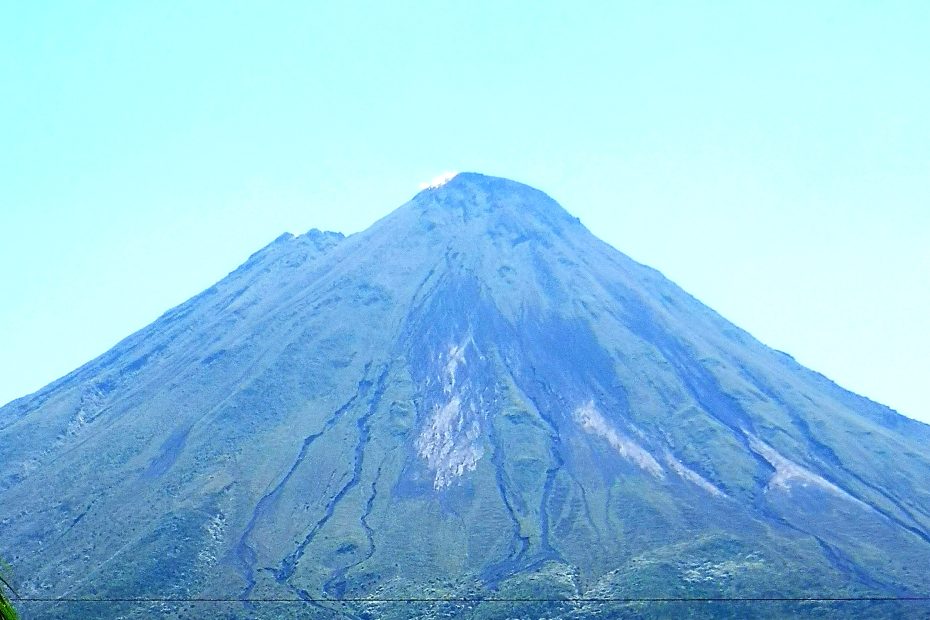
(473, 399)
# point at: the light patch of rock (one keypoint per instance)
(594, 423)
(716, 572)
(456, 358)
(788, 472)
(449, 443)
(216, 531)
(691, 476)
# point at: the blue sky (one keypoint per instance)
(771, 158)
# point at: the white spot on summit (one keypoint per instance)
(438, 181)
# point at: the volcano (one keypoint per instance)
(474, 408)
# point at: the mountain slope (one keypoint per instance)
(474, 397)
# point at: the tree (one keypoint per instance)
(6, 607)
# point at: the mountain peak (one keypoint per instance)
(476, 398)
(495, 201)
(478, 182)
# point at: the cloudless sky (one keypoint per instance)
(772, 158)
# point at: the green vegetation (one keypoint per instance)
(6, 607)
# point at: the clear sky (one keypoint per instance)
(773, 158)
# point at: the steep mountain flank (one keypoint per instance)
(474, 398)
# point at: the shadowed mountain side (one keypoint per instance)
(475, 397)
